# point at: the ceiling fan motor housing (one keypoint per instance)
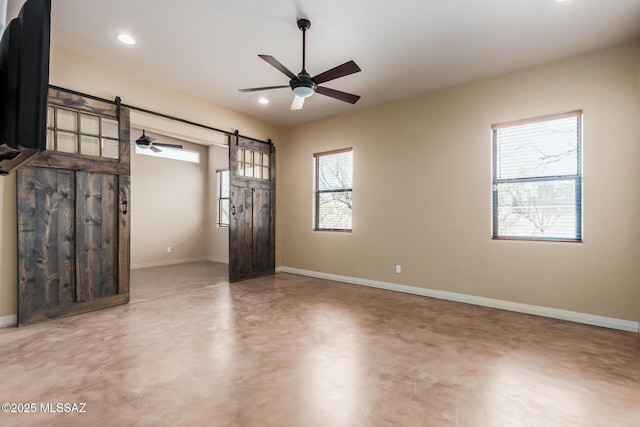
(304, 24)
(303, 86)
(144, 141)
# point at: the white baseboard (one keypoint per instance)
(554, 313)
(8, 321)
(220, 259)
(166, 262)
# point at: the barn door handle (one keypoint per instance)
(233, 210)
(124, 205)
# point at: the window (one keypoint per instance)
(334, 190)
(537, 178)
(223, 197)
(171, 153)
(252, 164)
(72, 131)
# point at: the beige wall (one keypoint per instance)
(77, 72)
(218, 237)
(169, 206)
(422, 190)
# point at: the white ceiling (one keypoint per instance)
(209, 48)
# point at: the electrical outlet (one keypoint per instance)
(398, 268)
(169, 249)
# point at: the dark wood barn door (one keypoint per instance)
(73, 212)
(252, 204)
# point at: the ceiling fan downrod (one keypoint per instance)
(304, 25)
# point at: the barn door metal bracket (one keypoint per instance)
(118, 103)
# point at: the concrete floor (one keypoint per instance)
(285, 350)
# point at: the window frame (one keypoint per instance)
(219, 173)
(577, 177)
(257, 168)
(54, 130)
(318, 192)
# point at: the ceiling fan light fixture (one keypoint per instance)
(303, 86)
(303, 91)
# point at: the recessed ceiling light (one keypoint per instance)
(126, 38)
(263, 101)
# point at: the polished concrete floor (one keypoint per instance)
(192, 350)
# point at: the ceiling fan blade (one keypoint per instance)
(337, 72)
(342, 96)
(297, 103)
(154, 149)
(255, 89)
(167, 145)
(275, 63)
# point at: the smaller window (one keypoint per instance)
(334, 190)
(171, 153)
(223, 197)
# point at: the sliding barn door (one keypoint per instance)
(73, 215)
(252, 205)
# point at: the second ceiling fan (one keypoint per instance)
(149, 142)
(303, 85)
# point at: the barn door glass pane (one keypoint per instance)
(67, 120)
(110, 148)
(248, 170)
(89, 124)
(109, 128)
(67, 142)
(50, 117)
(50, 139)
(89, 145)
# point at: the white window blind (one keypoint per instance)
(537, 182)
(223, 197)
(334, 190)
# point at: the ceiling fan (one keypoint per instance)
(303, 85)
(148, 142)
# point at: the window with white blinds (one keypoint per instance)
(223, 197)
(334, 190)
(537, 178)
